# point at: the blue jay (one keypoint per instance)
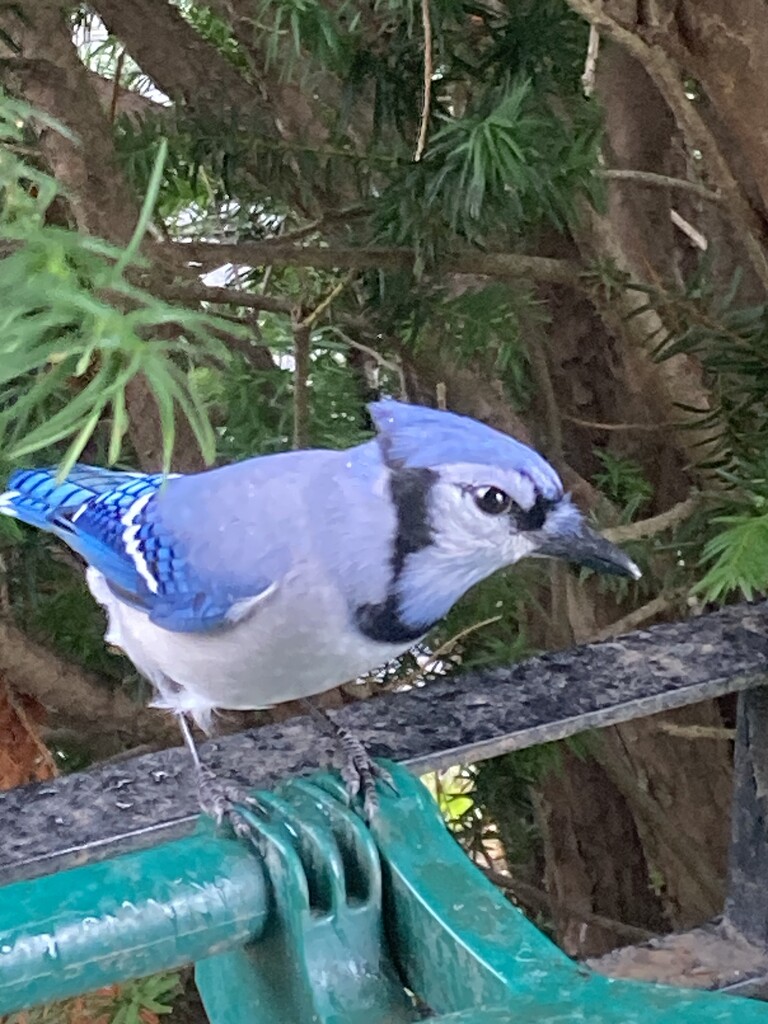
(285, 575)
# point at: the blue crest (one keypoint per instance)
(413, 436)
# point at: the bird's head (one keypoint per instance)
(487, 499)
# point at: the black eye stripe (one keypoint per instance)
(534, 517)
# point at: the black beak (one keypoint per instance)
(586, 547)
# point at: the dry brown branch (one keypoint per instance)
(499, 265)
(668, 79)
(655, 524)
(427, 102)
(661, 181)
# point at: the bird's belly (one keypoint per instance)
(289, 647)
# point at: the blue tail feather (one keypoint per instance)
(35, 497)
(86, 510)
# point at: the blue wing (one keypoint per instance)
(112, 520)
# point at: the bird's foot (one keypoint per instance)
(360, 772)
(221, 799)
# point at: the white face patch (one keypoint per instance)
(467, 544)
(131, 540)
(464, 530)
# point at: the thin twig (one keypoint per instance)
(116, 86)
(697, 239)
(600, 425)
(444, 649)
(590, 64)
(660, 181)
(655, 524)
(301, 353)
(394, 366)
(424, 126)
(311, 318)
(638, 616)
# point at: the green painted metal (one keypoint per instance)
(323, 956)
(315, 918)
(75, 931)
(468, 953)
(461, 945)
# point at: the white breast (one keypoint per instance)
(292, 644)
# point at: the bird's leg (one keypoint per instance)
(218, 798)
(359, 771)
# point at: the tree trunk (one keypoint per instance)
(595, 860)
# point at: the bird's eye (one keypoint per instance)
(492, 500)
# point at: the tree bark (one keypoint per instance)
(76, 698)
(595, 862)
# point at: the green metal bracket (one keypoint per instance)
(316, 918)
(323, 956)
(452, 937)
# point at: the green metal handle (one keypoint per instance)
(138, 914)
(335, 945)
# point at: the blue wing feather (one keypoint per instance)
(86, 510)
(110, 519)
